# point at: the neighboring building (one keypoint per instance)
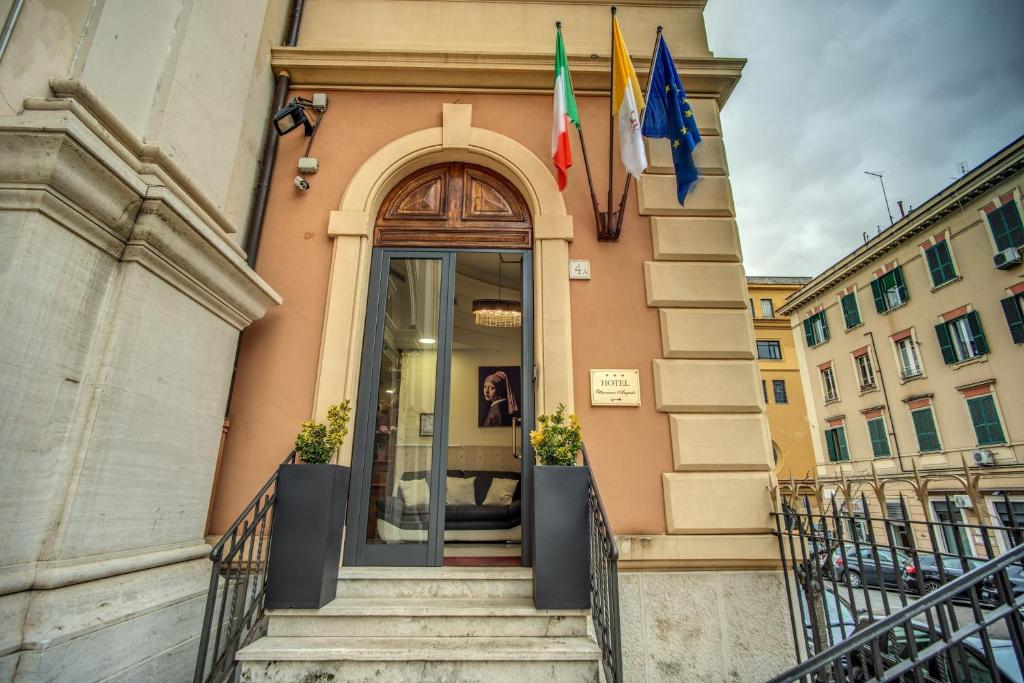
(912, 350)
(129, 144)
(781, 387)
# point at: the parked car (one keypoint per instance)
(952, 568)
(868, 566)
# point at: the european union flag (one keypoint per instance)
(669, 116)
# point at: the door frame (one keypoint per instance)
(356, 551)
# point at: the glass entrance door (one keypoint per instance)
(410, 441)
(397, 507)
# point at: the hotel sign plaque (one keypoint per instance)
(614, 387)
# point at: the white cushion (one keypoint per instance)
(501, 492)
(415, 494)
(460, 491)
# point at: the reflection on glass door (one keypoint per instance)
(399, 455)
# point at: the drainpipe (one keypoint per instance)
(888, 409)
(259, 199)
(8, 29)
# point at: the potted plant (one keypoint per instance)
(309, 515)
(561, 564)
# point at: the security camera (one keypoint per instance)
(301, 183)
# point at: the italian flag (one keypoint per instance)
(564, 111)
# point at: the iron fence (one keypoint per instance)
(604, 582)
(877, 595)
(235, 604)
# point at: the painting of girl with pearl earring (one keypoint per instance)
(499, 396)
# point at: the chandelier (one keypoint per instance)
(498, 312)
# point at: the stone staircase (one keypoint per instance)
(426, 624)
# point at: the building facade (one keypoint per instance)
(912, 349)
(126, 177)
(415, 115)
(781, 387)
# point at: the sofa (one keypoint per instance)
(397, 522)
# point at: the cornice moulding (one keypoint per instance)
(332, 68)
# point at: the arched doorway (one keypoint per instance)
(441, 464)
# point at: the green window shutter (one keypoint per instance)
(924, 427)
(945, 344)
(940, 263)
(1011, 309)
(901, 286)
(876, 291)
(879, 440)
(830, 443)
(851, 315)
(1006, 226)
(985, 419)
(824, 325)
(844, 453)
(808, 332)
(974, 322)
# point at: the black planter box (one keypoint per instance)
(305, 550)
(561, 544)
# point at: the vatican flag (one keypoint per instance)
(626, 99)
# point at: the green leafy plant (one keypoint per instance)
(557, 439)
(316, 442)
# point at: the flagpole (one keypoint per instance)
(643, 115)
(604, 231)
(586, 159)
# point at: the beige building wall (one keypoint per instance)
(787, 411)
(957, 215)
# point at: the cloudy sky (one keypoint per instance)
(911, 88)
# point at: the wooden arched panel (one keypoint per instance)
(454, 205)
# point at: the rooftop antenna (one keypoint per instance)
(884, 196)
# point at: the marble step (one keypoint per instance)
(435, 582)
(490, 660)
(428, 617)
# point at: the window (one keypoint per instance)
(954, 538)
(768, 350)
(940, 263)
(767, 310)
(961, 339)
(816, 329)
(865, 371)
(898, 523)
(779, 389)
(851, 311)
(889, 290)
(1006, 227)
(1012, 517)
(987, 427)
(910, 359)
(764, 390)
(879, 439)
(924, 427)
(1013, 309)
(828, 383)
(835, 442)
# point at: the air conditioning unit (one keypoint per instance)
(1006, 258)
(984, 458)
(963, 502)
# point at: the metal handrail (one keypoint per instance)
(958, 623)
(239, 577)
(869, 636)
(604, 580)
